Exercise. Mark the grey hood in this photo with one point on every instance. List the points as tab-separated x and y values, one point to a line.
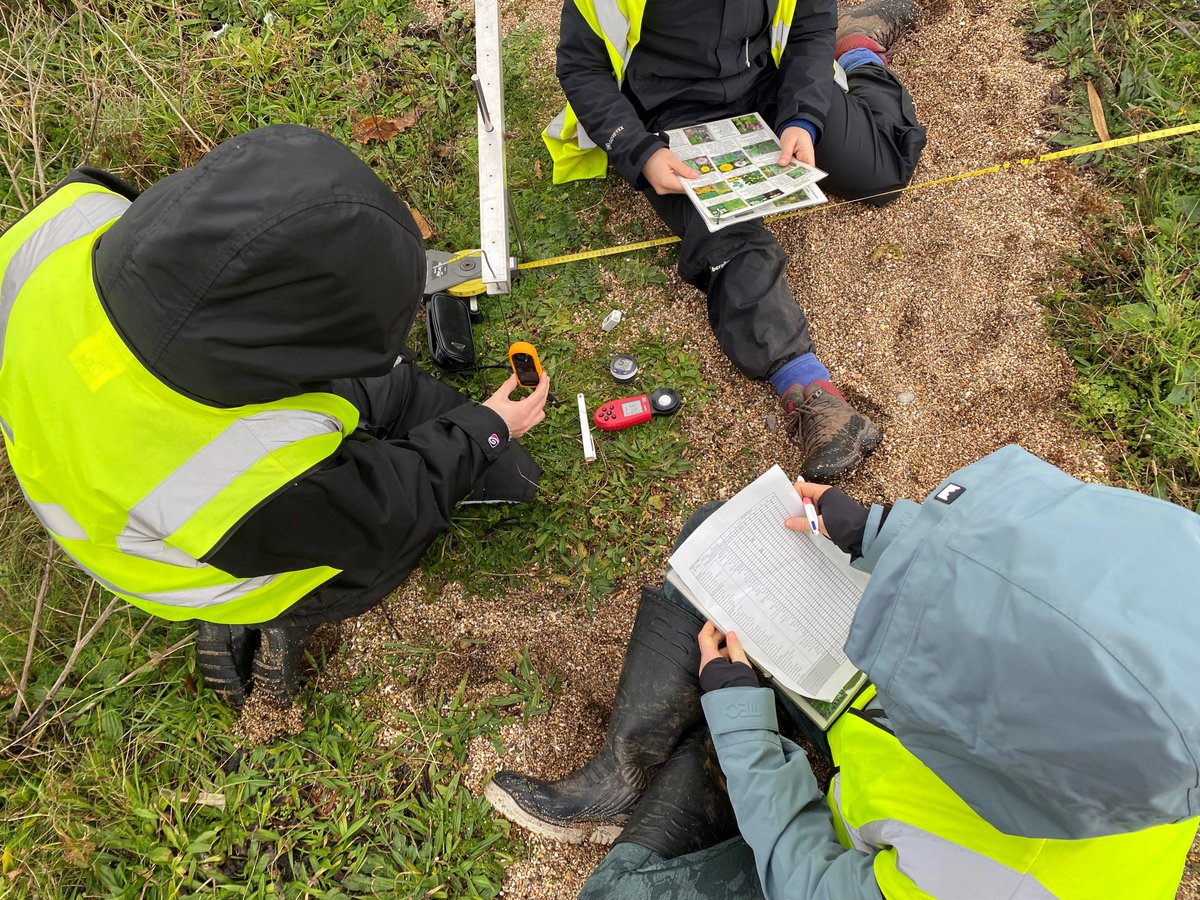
1034	641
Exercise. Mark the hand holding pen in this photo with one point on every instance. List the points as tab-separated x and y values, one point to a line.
809	493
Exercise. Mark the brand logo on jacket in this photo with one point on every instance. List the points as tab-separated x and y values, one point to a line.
494	440
612	137
743	709
950	493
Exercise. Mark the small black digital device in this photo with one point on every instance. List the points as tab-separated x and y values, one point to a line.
448	325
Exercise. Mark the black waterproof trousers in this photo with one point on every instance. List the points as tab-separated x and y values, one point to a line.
870	145
390	406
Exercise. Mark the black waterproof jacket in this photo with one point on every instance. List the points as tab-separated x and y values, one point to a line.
281	264
697	60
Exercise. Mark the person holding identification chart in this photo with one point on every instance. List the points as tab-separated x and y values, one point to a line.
817	72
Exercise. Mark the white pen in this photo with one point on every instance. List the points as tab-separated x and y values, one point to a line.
809	509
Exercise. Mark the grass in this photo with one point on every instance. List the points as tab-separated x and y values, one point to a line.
1131	321
130	780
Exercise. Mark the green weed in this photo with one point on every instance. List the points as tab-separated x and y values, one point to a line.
1130	320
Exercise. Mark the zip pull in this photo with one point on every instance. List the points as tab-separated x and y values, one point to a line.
747	53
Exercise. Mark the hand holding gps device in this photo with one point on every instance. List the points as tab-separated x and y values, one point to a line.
525	364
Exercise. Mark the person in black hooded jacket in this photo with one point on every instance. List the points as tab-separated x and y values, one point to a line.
279	265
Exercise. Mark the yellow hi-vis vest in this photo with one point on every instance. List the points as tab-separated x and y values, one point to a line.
619	24
135	481
928	843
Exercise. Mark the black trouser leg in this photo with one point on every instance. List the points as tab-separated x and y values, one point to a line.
392	404
751	309
405	397
871	141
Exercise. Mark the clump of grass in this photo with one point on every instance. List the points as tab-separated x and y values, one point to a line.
1132	319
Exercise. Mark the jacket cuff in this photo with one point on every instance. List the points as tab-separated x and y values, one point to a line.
725	673
804	113
485	427
845	520
877	537
740	709
810	127
638	158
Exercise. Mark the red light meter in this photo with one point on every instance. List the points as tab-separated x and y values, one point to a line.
629	411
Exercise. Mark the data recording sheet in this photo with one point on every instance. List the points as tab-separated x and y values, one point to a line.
790	596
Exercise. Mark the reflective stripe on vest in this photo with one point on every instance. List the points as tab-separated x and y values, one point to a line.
614	28
82	217
939	867
927	842
185	491
60	523
781	26
138	530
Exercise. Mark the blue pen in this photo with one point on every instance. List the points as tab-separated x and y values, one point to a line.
809	509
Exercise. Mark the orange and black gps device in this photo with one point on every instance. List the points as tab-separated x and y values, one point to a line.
525	363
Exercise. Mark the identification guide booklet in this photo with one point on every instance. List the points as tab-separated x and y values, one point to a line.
790	596
740	176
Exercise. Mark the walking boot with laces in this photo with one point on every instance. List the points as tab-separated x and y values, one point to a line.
658	700
874	24
833	436
686	808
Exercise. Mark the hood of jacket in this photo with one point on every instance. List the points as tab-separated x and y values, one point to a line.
277	264
1033	641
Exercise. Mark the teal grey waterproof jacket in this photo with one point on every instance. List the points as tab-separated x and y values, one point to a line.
1033	640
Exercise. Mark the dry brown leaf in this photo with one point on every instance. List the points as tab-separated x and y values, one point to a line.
422	223
537	168
1098	121
382	128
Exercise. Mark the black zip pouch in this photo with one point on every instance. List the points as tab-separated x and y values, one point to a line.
448	324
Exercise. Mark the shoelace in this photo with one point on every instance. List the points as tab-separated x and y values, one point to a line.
818	413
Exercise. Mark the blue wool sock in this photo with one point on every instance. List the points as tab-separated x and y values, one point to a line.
861	56
802	370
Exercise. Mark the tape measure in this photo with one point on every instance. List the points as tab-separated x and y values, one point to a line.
1148	137
460	274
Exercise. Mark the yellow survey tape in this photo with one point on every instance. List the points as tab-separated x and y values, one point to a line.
1149	136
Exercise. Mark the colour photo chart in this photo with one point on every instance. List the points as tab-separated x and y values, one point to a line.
740	177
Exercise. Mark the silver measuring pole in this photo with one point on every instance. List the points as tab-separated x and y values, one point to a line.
493	179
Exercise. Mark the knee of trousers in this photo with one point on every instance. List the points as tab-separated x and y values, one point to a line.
703	255
696	519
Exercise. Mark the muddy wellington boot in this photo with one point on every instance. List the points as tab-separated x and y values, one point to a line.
277	663
686	808
833	436
658	700
225	657
874	24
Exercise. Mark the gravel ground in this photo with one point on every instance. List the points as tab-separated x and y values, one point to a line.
932	299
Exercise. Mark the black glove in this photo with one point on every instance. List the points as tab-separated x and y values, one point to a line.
845	520
723	673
